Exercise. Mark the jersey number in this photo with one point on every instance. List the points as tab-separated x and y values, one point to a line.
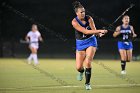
125	37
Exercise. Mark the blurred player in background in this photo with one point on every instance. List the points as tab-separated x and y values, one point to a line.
125	33
33	37
86	43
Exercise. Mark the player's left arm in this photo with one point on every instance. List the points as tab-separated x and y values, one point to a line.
40	38
91	23
92	26
133	32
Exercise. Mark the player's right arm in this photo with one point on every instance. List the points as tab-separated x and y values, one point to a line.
76	25
117	32
27	37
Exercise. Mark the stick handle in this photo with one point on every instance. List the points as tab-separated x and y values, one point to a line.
131	6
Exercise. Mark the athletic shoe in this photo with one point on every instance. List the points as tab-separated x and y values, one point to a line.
88	87
123	72
35	64
80	76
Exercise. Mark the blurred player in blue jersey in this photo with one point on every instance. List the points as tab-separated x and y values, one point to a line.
86	43
125	33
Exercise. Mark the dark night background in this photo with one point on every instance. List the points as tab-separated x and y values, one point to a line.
54	19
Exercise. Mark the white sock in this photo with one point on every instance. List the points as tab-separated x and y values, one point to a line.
35	58
30	57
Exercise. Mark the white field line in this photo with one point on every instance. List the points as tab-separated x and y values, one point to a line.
72	86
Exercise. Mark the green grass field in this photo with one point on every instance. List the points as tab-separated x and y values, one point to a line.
59	76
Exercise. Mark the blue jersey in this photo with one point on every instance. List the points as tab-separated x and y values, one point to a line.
126	34
125	38
84	41
80	35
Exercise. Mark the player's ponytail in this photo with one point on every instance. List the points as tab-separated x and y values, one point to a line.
77	5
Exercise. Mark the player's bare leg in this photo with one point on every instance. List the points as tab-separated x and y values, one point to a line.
80	56
90	52
129	55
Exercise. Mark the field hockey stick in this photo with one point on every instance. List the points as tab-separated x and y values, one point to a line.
131	6
126	10
110	27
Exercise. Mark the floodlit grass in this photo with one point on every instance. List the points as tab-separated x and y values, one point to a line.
59	76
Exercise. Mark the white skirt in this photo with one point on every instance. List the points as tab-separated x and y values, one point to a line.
34	45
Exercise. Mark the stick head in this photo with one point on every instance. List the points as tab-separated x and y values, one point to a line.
132	5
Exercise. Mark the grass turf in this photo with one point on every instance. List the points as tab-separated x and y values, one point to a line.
59	76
